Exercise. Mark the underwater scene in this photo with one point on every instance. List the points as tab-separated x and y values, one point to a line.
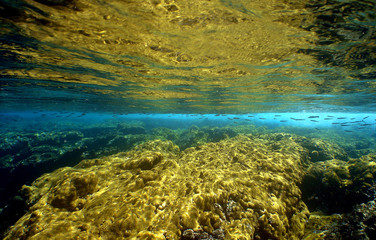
188	120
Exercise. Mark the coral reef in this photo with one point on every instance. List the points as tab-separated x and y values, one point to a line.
360	224
195	136
344	194
25	156
195	183
320	150
238	188
336	186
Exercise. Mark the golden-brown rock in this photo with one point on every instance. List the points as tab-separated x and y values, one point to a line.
238	188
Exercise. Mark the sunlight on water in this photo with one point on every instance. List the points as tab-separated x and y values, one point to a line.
201	56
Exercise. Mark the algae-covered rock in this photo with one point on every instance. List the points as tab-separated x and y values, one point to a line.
320	150
238	188
195	136
335	186
165	133
145	162
358	224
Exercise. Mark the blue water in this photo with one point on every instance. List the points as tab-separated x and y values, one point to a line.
357	122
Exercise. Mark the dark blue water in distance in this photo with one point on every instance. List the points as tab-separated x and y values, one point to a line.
86	79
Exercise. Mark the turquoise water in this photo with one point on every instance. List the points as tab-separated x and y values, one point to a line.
360	123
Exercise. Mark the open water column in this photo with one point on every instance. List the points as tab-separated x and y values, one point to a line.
188	120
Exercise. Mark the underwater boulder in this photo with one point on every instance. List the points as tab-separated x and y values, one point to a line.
165	133
196	136
70	193
238	188
192	137
335	186
218	134
127	129
320	150
358	224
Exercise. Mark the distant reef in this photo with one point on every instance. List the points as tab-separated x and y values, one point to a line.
249	186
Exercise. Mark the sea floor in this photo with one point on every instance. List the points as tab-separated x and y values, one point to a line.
123	180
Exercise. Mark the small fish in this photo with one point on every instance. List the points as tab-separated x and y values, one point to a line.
341	118
277	115
262	118
313	116
335	123
236	118
366	117
314	121
348	131
253	116
298	119
283	120
328	118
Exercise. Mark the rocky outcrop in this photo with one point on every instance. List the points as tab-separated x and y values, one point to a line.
236	188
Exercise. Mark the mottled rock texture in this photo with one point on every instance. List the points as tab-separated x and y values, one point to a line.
238	188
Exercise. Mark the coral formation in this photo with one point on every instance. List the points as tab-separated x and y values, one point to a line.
238	188
320	150
344	194
335	186
360	224
195	183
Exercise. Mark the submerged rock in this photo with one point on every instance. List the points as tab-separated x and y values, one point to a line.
238	188
320	150
358	224
196	136
336	186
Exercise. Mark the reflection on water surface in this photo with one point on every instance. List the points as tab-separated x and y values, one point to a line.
202	56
